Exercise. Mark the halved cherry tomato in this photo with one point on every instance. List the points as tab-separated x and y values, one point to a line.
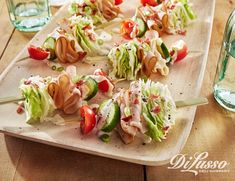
103	86
117	2
100	72
150	2
37	53
89	121
127	27
181	48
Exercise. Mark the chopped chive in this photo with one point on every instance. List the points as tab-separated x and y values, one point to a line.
60	69
100	42
53	67
105	138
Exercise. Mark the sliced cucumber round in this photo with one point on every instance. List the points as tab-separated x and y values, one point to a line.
142	27
163	50
49	44
89	88
166	53
113	116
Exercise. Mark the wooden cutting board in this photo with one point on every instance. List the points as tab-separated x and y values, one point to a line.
184	81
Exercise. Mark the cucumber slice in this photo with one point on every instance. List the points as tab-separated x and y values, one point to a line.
142	27
163	50
113	117
166	53
89	88
49	45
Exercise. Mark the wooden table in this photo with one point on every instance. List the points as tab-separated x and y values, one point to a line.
213	130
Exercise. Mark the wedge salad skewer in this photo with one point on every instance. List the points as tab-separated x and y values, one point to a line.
43	96
148	56
146	109
168	16
100	11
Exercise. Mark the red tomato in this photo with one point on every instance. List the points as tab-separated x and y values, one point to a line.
117	2
157	109
127	27
150	2
103	86
37	53
181	48
89	121
100	72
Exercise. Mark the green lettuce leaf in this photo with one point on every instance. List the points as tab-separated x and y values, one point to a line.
38	103
125	61
157	95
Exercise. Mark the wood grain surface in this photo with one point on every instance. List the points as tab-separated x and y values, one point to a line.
213	130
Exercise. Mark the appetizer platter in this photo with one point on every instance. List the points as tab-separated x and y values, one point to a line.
109	79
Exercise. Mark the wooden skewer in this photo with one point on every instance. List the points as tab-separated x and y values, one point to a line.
109	23
11	99
22	59
191	102
179	104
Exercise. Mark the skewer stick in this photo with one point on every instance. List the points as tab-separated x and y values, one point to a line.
11	99
191	102
179	104
109	23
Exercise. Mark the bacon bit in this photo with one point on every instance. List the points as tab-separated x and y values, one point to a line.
92	1
136	101
92	36
20	109
173	6
94	12
154	96
147	41
79	83
87	27
182	32
95	110
100	72
157	109
82	55
126	119
27	82
166	128
154	17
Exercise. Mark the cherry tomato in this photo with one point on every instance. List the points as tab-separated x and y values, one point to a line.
103	86
100	72
127	27
117	2
150	2
37	53
89	121
181	48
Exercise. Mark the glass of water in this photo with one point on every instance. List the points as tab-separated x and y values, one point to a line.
28	15
224	83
